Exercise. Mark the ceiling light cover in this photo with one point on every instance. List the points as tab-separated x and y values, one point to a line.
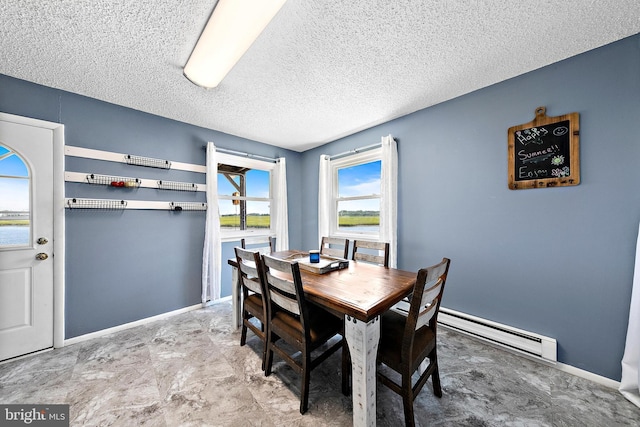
233	27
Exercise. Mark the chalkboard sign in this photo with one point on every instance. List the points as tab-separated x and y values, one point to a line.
545	152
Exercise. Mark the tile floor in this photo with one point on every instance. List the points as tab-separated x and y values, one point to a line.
189	370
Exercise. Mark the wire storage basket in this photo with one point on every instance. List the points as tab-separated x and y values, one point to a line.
177	186
147	161
96	204
114	181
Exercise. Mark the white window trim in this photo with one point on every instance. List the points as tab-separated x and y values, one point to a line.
348	161
230	159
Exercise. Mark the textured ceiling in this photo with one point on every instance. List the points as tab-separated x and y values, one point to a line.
320	71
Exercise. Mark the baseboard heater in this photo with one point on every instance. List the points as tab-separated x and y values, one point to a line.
506	336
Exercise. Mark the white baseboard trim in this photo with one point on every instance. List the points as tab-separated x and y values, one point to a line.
631	397
223	299
598	379
125	326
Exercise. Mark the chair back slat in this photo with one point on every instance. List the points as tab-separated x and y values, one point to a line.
437	271
431	294
282	288
335	247
338	253
429	304
334	241
252	284
374	252
284	302
282	285
425	316
248	269
369	244
361	256
249	274
278	264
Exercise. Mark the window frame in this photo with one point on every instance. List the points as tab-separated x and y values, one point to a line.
229	159
368	156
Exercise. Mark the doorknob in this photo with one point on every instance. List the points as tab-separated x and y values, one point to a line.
42	256
42	241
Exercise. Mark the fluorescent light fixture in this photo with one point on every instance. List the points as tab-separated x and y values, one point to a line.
233	27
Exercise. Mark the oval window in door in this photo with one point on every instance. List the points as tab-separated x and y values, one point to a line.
15	200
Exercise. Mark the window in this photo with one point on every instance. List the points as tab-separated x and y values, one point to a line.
15	221
356	192
244	196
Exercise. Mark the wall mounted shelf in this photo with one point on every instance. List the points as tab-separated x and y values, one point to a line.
84	177
132	182
107	204
90	153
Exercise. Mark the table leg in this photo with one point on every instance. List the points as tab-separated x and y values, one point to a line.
236	319
362	339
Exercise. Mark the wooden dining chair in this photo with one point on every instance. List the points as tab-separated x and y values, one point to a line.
373	252
408	337
335	247
263	244
291	320
254	305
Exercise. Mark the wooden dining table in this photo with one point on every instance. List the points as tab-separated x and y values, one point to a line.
359	294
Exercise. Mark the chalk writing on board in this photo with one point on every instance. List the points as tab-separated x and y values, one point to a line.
560	131
540	150
527	136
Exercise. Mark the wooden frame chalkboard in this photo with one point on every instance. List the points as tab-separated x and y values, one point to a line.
545	152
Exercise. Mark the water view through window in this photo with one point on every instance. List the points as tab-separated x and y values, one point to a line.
359	198
15	223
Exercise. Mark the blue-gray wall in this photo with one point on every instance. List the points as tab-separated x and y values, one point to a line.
555	261
128	265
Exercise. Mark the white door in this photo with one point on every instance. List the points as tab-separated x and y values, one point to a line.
26	239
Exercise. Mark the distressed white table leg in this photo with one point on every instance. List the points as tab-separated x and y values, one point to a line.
362	339
235	299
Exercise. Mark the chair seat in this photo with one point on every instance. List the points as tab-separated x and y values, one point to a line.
392	329
253	304
322	325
